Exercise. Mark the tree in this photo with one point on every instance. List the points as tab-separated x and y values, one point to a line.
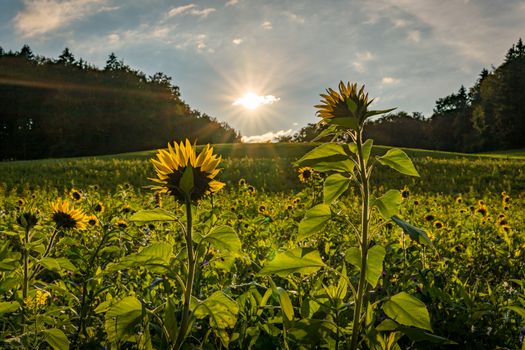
66	58
26	53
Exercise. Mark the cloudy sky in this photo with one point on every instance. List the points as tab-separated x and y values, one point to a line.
282	52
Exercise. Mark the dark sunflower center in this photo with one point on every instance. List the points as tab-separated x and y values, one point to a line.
76	196
201	184
307	174
64	220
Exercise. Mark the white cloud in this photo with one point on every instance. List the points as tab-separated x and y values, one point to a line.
113	39
267	137
42	16
361	59
252	101
292	17
414	36
232	2
237	41
365	56
400	23
192	10
480	31
180	10
202	13
267	25
390	81
359	67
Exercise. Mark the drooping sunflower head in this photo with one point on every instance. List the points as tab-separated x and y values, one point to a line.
67	217
306	174
184	174
348	103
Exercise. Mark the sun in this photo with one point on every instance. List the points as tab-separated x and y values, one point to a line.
249	100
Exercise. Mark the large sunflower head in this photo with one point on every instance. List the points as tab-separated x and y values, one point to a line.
67	217
349	103
346	108
184	174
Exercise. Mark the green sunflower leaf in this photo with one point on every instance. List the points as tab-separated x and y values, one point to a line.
9	306
222	312
56	339
299	260
334	186
388	204
398	160
285	302
314	220
374	262
415	233
223	238
407	310
157	214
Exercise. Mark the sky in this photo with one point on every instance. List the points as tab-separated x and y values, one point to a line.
229	56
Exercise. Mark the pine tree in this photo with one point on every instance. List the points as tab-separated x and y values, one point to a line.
66	58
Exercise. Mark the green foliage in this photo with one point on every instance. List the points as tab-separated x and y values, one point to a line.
407	310
314	220
388	204
398	160
56	339
374	262
334	186
299	260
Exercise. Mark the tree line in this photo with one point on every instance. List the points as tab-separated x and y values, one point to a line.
488	116
68	107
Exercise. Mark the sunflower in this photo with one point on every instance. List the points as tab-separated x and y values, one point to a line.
459	200
92	220
75	194
262	209
405	192
438	224
181	159
122	224
349	103
67	217
429	217
242	182
99	207
482	209
306	174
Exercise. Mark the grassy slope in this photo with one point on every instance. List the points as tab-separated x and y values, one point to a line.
296	150
269	166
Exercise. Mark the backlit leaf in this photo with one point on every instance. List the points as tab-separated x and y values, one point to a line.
334	186
388	204
299	260
407	310
314	220
398	160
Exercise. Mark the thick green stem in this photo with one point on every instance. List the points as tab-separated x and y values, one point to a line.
190	279
365	219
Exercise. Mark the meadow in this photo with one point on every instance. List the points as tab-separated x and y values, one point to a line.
116	283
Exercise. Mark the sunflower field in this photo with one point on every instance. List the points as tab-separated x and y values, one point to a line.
191	251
